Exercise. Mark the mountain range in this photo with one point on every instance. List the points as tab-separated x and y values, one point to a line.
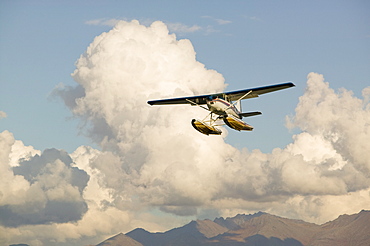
256	229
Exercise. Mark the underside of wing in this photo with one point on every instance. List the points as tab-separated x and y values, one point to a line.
229	96
255	92
193	100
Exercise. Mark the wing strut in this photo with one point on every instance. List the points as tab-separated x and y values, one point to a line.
195	104
246	94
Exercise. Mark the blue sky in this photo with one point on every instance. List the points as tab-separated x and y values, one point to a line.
251	43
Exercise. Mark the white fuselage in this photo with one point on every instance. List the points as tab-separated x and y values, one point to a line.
223	107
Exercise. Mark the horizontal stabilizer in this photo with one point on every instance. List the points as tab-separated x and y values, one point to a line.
249	114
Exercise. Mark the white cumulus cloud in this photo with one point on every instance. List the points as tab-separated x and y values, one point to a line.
153	170
41	189
154	152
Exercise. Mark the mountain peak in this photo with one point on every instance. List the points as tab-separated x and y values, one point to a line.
209	228
120	239
256	229
139	230
233	223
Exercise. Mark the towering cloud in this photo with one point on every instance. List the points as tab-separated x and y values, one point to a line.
340	119
154	155
153	168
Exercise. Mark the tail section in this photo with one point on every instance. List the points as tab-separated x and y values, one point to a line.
249	114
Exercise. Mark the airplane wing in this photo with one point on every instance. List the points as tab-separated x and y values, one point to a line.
193	100
255	92
230	96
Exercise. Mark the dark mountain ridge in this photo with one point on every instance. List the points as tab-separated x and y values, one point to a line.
256	229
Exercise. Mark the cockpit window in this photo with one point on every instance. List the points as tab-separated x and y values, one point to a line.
211	97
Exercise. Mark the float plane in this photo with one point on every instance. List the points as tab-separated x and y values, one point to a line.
224	106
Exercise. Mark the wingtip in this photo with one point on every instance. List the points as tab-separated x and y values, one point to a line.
291	83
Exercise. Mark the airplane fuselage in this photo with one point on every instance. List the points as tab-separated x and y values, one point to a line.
222	107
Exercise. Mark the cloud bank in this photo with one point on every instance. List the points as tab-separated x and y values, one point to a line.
43	189
154	171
